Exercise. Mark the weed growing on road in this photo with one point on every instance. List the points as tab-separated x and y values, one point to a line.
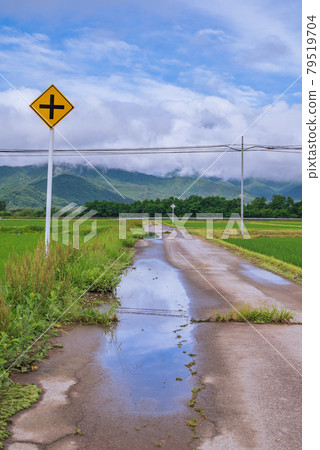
200	411
264	314
190	364
192	403
192	423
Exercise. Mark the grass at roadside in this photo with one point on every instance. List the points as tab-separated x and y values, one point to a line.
37	289
13	399
40	290
20	235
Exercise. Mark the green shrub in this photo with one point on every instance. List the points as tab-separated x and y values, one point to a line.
95	282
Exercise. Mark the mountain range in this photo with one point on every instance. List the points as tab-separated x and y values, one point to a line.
25	186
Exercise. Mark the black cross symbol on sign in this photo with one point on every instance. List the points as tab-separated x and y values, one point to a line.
52	106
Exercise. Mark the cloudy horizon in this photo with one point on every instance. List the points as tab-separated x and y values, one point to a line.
179	73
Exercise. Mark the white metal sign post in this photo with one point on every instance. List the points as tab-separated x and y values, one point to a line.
51	106
49	188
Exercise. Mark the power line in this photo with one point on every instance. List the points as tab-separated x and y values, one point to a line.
224	148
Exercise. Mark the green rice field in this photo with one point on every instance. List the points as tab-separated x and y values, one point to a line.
288	225
286	249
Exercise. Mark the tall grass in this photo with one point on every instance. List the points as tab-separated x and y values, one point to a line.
41	288
18	244
38	273
4	314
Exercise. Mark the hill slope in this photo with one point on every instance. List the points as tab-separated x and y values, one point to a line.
26	186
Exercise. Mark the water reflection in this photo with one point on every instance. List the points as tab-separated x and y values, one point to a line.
262	276
148	352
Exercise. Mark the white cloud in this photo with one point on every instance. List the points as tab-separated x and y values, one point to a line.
156	114
134	109
225	86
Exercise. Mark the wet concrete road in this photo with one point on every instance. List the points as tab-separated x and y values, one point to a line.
121	390
252	373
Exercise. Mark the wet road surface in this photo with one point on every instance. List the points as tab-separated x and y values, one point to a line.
149	349
130	389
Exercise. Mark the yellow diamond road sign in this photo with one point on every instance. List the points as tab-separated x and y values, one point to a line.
51	106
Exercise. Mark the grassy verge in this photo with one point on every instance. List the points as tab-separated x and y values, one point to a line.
290	271
40	293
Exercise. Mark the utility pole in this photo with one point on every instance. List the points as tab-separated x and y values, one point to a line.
242	185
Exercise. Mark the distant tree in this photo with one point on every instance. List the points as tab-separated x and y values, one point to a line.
289	202
278	202
26	212
3	205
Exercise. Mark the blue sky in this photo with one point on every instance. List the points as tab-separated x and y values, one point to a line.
156	73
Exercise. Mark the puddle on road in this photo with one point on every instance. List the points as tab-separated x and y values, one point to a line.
262	276
144	354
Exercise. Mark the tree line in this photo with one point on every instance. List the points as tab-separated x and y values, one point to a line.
279	207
